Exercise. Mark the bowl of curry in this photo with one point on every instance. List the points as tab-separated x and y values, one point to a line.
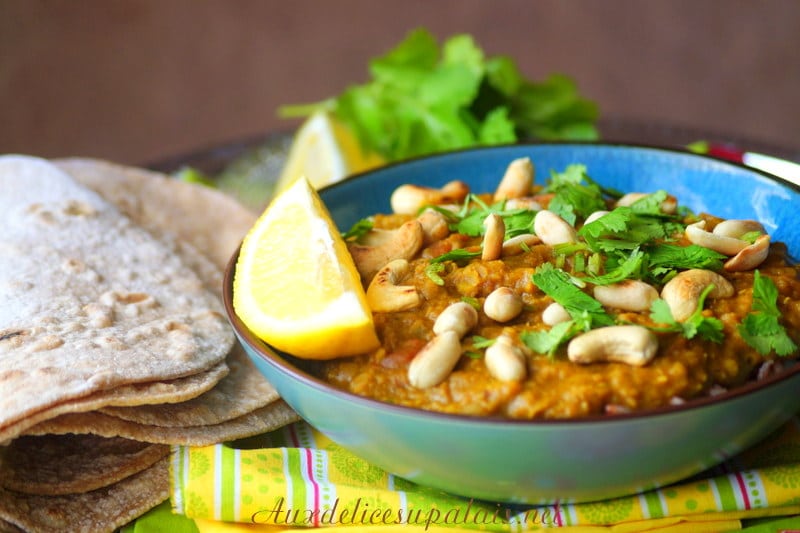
559	321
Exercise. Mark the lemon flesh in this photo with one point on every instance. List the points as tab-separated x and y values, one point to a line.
296	286
324	151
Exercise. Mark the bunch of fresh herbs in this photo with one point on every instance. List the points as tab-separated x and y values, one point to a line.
422	98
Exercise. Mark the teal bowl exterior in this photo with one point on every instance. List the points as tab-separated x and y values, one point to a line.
536	462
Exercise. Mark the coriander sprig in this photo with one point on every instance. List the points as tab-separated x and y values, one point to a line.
761	328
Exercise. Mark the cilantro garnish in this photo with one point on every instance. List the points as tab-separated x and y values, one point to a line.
629	267
575	194
625	228
761	328
358	230
481	342
547	342
422	99
697	324
436	265
517	221
561	287
665	260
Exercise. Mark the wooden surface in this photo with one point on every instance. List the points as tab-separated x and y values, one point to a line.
136	81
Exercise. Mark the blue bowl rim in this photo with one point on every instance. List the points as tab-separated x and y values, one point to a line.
275	358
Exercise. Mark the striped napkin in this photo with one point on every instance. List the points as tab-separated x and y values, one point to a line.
296	477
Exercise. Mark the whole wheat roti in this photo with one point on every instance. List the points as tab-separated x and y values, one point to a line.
207	218
82	309
243	390
209	223
132	394
55	465
272	416
100	510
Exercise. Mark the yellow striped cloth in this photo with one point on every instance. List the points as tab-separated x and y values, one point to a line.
296	477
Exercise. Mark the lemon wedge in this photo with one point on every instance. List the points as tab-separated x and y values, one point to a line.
324	151
296	285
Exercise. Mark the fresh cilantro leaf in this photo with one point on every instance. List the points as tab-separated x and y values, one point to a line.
630	267
665	260
481	342
624	229
761	328
560	287
547	342
459	254
575	194
358	230
517	221
650	204
423	98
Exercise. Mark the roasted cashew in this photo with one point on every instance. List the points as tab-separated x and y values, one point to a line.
434	226
628	295
459	317
697	234
493	237
505	361
555	314
517	180
404	243
435	361
409	199
632	345
553	229
668	206
683	291
737	228
502	304
517	244
750	257
385	295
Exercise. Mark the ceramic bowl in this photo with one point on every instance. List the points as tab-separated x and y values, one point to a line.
567	460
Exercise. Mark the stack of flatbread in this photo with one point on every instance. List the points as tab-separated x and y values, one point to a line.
113	340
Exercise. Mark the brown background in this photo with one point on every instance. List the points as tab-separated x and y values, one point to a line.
136	81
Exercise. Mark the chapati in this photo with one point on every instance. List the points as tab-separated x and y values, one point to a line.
90	300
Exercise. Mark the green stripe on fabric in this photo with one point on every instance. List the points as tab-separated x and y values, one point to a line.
652	499
727	493
294	469
228	492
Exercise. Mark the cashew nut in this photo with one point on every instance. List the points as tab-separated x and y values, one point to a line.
524	202
719	243
493	237
738	228
434	226
555	314
409	199
385	295
505	361
683	291
750	257
435	361
517	180
553	229
632	345
459	317
502	305
518	243
668	206
628	295
404	243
